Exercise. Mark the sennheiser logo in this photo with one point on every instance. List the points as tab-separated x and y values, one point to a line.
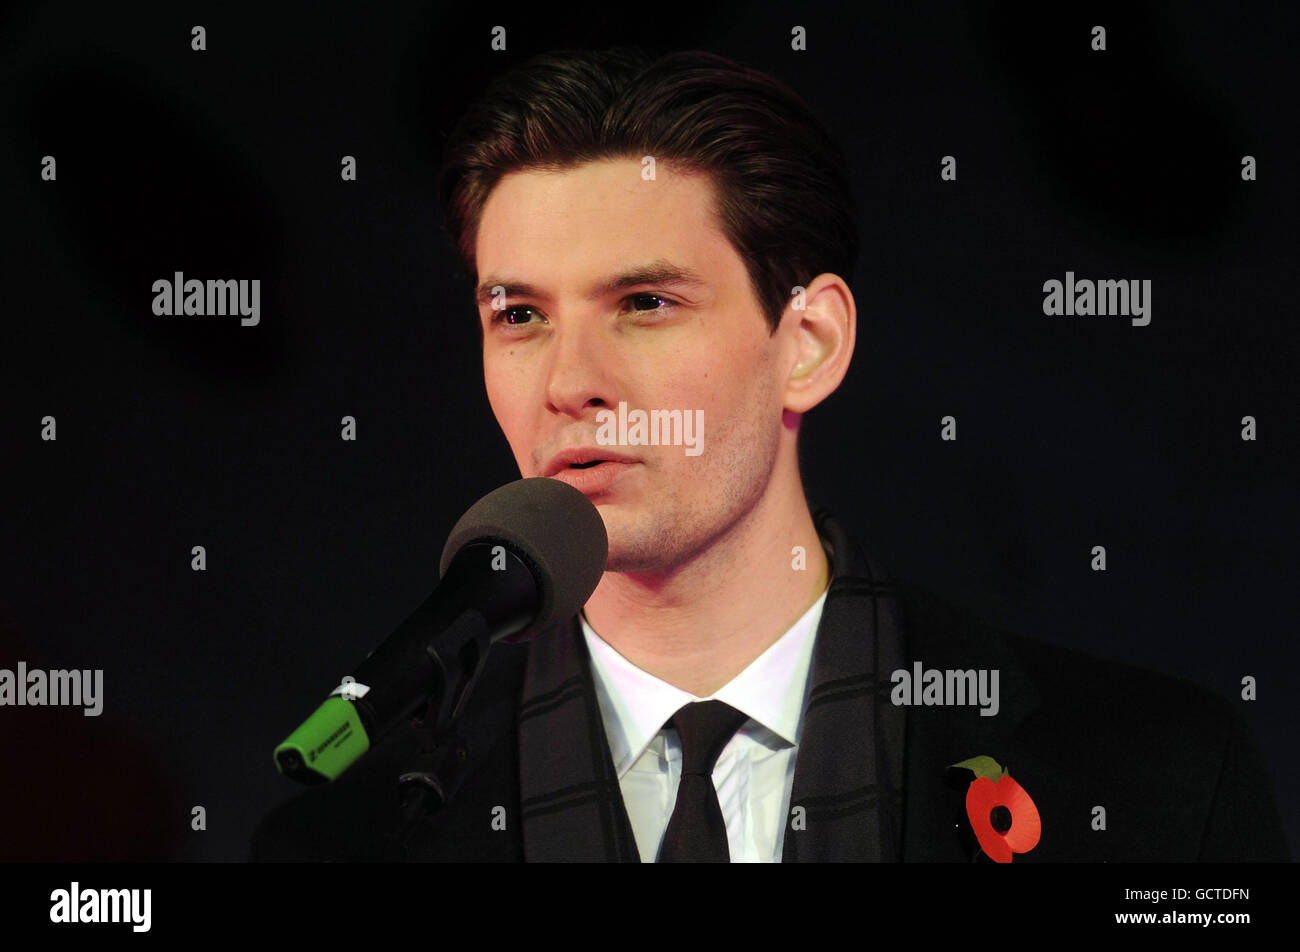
75	905
320	749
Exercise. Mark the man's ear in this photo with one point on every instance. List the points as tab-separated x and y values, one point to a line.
824	331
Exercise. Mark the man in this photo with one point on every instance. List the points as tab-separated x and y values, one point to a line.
672	238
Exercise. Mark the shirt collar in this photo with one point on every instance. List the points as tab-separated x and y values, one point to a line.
635	704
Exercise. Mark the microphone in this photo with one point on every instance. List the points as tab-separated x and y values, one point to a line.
523	557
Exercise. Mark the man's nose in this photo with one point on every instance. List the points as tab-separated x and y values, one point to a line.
580	375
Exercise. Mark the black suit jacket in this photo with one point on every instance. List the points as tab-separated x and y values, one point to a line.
1170	763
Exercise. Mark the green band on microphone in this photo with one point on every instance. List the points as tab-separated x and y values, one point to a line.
324	745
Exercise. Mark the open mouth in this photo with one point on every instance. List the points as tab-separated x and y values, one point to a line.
595	477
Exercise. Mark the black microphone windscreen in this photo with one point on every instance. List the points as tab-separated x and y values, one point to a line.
553	527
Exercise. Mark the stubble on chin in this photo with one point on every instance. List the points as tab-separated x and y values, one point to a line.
644	542
670	533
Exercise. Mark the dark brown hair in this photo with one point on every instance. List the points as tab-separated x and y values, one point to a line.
783	198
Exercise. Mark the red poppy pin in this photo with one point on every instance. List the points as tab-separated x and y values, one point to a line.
1002	815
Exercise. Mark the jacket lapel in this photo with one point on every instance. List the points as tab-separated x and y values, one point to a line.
934	812
846	798
570	797
872	776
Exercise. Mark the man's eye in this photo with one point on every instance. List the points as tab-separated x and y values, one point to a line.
516	316
519	315
634	299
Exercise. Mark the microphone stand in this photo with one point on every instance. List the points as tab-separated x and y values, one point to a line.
437	771
427	786
458	659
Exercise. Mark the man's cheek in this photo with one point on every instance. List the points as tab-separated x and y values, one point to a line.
499	396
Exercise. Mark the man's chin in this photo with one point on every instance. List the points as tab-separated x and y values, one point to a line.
634	545
636	564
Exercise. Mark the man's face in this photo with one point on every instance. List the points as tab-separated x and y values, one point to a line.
586	324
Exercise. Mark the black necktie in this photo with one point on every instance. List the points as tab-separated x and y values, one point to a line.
696	832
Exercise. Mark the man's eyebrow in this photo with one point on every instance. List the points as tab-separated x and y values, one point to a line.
656	272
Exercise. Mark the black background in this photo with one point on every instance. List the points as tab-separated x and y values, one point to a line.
183	431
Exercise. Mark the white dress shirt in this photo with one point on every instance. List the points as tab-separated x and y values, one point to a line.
754	773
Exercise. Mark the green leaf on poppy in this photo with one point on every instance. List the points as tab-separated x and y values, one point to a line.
983	766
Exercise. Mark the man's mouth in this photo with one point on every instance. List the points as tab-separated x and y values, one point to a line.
581	458
594	477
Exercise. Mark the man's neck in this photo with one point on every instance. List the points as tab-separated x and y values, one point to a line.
700	626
